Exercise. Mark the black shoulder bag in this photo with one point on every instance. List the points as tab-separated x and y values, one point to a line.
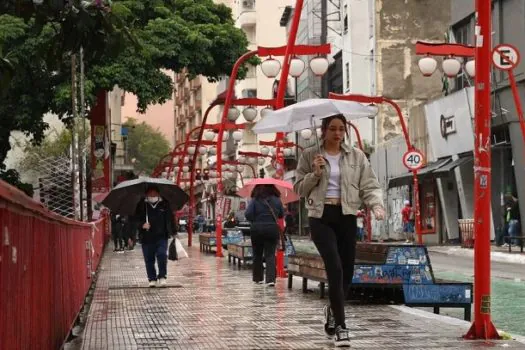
282	239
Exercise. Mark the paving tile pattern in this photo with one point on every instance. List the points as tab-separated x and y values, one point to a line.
210	304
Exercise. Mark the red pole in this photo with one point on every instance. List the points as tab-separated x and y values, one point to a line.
517	101
482	327
220	186
193	161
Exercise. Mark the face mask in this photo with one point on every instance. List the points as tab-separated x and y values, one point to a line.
153	199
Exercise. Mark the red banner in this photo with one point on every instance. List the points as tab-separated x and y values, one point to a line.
100	145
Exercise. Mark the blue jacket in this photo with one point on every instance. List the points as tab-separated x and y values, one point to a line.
258	211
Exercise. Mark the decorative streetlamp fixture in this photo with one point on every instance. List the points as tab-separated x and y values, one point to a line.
265	150
287	152
297	67
265	111
470	67
451	67
233	114
212	151
249	114
237	135
319	65
203	150
209	135
271	67
427	65
306	134
261	161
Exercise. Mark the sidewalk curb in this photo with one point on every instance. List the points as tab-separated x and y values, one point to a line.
501	257
449	320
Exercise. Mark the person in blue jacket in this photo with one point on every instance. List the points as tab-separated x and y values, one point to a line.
263	211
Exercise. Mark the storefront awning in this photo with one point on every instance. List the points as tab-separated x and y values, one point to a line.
444	170
429	170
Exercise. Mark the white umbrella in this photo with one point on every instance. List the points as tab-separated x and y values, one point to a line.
303	115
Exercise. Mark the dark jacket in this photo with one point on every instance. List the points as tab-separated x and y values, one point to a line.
258	211
160	218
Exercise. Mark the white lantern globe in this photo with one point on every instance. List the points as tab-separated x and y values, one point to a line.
224	157
240	168
175	159
306	134
265	151
185	169
209	135
203	150
233	114
271	67
212	151
225	136
265	111
427	66
297	67
451	67
252	160
176	169
164	174
319	133
242	159
319	65
167	168
237	135
287	152
261	161
249	114
470	67
191	150
186	159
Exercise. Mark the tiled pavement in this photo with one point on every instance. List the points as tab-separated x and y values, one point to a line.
211	305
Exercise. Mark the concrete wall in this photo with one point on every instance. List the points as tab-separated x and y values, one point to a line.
399	24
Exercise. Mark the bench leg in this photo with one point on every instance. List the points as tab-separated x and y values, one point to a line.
229	259
467	311
290	281
239	263
510	245
305	285
322	285
436	310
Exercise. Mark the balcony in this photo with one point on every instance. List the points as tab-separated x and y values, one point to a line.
247	19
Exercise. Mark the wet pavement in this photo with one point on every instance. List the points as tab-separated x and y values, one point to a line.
209	304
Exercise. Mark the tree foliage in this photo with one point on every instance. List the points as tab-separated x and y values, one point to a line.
125	43
146	144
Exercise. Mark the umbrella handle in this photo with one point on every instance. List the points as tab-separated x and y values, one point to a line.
314	130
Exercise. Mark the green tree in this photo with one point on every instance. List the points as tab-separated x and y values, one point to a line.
126	43
146	144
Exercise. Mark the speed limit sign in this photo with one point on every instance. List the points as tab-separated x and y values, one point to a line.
413	160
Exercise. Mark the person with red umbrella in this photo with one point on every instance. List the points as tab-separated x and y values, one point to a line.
263	212
335	179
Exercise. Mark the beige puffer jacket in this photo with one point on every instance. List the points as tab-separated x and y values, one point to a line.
358	182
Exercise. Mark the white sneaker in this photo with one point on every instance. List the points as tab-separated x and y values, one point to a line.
342	338
163	282
271	284
152	284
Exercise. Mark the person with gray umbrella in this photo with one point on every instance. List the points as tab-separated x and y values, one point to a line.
154	219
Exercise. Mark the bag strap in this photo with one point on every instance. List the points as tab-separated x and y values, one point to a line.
271	211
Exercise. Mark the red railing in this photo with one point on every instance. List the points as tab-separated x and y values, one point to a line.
46	269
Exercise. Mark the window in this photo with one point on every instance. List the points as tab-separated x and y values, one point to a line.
345	19
463	34
347	76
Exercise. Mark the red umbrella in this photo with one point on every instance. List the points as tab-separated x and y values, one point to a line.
286	189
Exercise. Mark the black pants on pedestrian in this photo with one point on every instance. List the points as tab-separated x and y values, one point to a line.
264	241
334	235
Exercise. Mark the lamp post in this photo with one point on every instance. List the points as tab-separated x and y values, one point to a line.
482	326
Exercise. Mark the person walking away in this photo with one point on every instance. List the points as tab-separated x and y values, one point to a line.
263	211
407	217
116	232
154	219
514	219
335	180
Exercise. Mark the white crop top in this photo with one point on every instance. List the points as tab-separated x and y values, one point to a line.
334	180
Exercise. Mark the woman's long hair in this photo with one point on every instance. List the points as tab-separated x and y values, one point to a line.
265	191
326	122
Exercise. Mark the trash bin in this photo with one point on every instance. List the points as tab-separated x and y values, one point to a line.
466	228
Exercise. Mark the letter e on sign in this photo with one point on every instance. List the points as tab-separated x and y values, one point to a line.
413	160
505	56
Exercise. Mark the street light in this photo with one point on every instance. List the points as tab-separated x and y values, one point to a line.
287	152
297	67
249	114
271	67
261	161
209	135
203	150
319	65
233	114
265	150
427	65
306	134
470	67
212	151
265	111
451	67
237	135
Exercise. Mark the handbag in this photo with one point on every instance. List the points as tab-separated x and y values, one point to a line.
172	251
282	238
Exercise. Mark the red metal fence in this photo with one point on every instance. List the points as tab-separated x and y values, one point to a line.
46	266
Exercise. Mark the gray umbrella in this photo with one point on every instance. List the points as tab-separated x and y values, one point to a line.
124	198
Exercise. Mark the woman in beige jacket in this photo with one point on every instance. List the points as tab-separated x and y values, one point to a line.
334	182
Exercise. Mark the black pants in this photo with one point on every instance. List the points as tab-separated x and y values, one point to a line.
264	242
334	235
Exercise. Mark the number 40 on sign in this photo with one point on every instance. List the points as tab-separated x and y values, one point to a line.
413	160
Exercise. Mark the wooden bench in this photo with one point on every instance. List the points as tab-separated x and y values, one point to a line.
508	239
401	272
240	252
207	242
